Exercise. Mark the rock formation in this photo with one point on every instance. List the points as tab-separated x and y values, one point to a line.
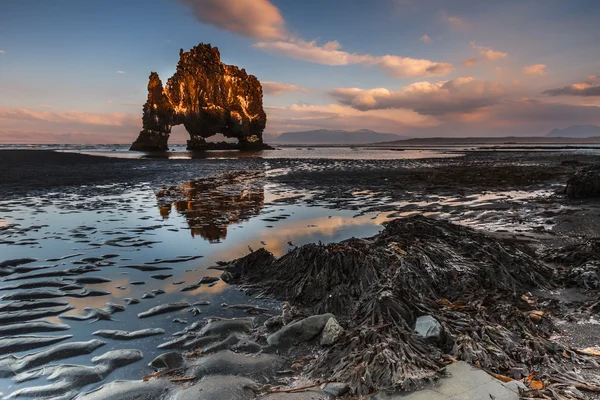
584	183
207	97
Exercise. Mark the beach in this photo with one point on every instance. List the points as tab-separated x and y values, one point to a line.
89	243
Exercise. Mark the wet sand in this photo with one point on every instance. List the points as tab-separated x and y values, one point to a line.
151	218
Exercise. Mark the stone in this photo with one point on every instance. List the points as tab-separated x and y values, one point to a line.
331	332
336	388
298	332
584	183
429	328
206	97
170	360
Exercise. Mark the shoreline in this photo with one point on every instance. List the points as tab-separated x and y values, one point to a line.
508	197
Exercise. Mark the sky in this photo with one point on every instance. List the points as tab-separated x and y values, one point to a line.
75	71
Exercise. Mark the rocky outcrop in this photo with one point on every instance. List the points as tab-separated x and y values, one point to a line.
207	97
585	183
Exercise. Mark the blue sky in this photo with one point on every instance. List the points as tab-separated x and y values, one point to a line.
77	70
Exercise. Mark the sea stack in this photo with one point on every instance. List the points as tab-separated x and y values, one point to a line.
207	97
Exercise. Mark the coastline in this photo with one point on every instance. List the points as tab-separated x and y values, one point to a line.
478	190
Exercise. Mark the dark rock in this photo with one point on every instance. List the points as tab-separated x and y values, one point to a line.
209	279
170	360
298	332
224	327
336	388
585	183
207	97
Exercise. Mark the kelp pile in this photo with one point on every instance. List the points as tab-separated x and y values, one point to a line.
475	285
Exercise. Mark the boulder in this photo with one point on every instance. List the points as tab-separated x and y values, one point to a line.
331	332
298	332
585	183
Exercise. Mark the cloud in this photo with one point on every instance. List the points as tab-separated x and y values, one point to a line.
535	69
330	53
2	52
120	72
335	116
530	111
460	95
426	39
21	125
45	106
72	117
454	21
470	62
277	88
585	89
258	19
492	55
129	103
485	54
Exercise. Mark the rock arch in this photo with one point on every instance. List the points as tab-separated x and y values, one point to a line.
206	97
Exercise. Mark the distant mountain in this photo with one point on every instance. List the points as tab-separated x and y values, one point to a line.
327	136
576	131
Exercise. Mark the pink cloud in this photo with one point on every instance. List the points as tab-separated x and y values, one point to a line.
278	88
330	53
73	126
258	19
460	95
454	21
426	39
535	69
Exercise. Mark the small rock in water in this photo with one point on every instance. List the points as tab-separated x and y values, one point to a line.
331	332
129	301
170	360
429	328
195	311
161	277
208	279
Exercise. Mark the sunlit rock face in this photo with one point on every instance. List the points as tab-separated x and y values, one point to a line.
207	97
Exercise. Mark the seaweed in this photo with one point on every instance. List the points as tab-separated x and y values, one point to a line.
474	284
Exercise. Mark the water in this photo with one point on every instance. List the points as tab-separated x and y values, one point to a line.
218	219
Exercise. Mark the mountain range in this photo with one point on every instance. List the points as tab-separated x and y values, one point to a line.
576	131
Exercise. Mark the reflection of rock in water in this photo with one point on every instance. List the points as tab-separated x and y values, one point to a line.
211	205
